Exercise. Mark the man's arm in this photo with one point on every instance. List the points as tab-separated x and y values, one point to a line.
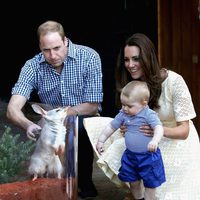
14	111
84	109
14	114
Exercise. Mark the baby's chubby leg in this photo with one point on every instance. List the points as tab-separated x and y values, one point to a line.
150	193
137	190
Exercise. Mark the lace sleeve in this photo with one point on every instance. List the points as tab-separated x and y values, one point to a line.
182	101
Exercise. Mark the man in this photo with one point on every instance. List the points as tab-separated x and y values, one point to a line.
62	74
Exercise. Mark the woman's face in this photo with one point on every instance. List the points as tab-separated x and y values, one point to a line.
132	62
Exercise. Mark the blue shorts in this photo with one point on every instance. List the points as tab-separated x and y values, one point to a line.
146	166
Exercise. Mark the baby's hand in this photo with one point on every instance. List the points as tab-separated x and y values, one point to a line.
152	146
100	147
123	130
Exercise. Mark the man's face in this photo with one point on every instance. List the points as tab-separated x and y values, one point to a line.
53	48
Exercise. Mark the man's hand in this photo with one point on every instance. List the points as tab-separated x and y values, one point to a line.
72	111
32	131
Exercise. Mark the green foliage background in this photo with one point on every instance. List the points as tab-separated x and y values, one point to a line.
13	156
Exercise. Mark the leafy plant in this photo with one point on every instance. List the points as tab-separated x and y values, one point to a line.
13	155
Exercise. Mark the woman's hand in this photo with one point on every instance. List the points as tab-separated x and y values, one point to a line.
146	130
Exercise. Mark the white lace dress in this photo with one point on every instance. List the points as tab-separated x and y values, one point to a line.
181	157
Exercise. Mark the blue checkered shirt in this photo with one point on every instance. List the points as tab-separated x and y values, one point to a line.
79	82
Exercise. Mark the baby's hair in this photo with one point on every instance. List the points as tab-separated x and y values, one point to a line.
136	91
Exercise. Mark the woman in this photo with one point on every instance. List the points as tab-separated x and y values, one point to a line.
171	99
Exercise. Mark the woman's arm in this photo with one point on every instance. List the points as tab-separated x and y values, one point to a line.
181	131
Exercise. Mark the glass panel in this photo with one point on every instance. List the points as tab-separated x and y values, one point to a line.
71	152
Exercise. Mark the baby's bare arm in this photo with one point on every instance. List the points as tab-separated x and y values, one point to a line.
157	136
105	134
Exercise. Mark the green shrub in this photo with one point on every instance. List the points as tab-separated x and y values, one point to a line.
13	156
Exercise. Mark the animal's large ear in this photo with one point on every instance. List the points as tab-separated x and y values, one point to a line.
38	109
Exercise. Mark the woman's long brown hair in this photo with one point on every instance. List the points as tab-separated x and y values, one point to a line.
149	63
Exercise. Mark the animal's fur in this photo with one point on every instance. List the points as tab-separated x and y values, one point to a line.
44	160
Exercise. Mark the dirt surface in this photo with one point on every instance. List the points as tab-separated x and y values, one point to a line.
106	189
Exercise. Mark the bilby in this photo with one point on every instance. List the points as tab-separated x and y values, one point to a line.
52	136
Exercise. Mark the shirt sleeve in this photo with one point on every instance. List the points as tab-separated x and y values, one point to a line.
117	121
25	83
93	89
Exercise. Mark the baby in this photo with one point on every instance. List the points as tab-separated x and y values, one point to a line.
141	163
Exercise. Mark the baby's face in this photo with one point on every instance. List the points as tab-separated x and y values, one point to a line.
131	107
